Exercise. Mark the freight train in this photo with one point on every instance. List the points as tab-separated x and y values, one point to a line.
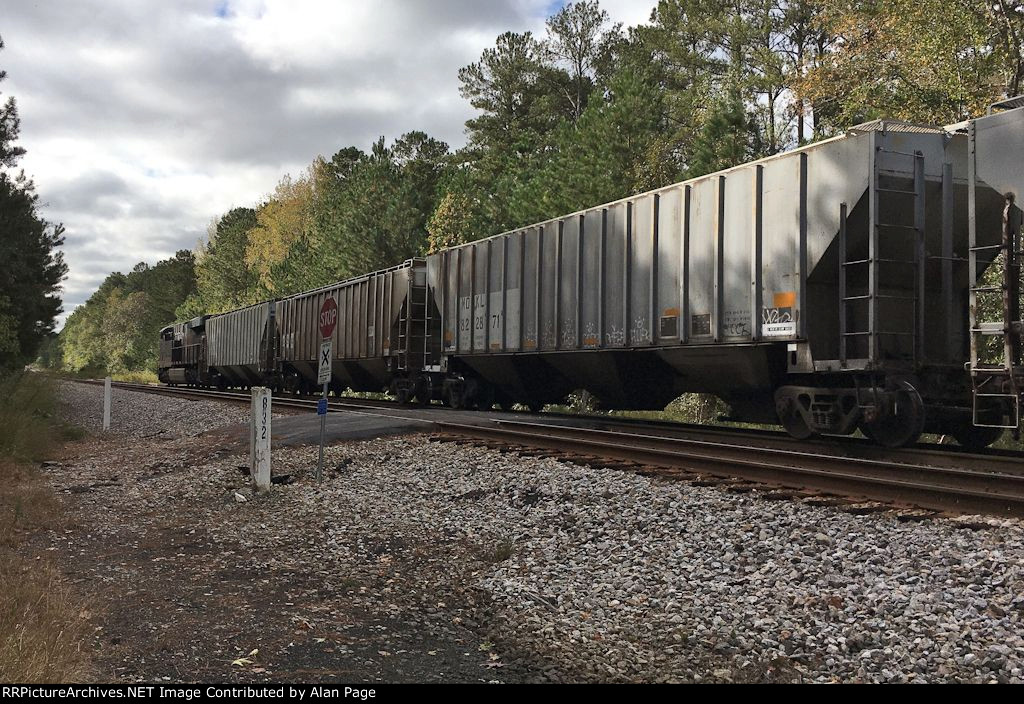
843	286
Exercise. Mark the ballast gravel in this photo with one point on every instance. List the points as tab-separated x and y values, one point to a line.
140	415
583	574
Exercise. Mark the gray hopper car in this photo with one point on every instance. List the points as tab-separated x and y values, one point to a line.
381	336
827	287
242	345
832	288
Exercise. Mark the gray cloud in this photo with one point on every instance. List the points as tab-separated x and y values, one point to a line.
145	120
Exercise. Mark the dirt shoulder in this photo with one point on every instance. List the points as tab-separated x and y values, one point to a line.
189	573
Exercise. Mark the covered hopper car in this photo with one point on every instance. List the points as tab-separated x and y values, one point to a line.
870	281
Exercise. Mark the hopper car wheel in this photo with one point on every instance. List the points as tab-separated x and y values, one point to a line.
504	402
795	425
423	396
904	426
401	392
484	397
790	417
455	396
971	437
470	393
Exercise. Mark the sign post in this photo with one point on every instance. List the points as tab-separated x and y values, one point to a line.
260	470
328	320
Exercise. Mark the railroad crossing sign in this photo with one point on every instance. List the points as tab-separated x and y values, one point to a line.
324	375
328	317
328	320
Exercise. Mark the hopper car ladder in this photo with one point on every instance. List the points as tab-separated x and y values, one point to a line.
414	322
874	305
997	385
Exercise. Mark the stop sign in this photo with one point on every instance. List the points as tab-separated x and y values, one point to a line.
328	317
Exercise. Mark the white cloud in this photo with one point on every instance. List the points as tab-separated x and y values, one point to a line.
145	120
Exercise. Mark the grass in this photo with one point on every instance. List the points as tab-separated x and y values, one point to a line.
497	552
41	624
27	416
139	377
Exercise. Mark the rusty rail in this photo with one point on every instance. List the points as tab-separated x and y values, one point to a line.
956	482
952	489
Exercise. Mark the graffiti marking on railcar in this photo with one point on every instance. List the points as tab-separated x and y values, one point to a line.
640	332
777	322
548	339
590	338
569	333
736	323
616	338
530	338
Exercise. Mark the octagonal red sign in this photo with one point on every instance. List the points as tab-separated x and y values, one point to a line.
328	317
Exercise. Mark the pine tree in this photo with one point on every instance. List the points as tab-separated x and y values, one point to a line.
31	265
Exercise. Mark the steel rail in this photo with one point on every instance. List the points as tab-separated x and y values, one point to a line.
959	490
964	483
932	455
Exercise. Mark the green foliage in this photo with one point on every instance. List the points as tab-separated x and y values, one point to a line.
723	141
580	43
223	279
371	210
27	415
50	355
456	220
599	159
31	266
117	329
282	230
9	127
928	61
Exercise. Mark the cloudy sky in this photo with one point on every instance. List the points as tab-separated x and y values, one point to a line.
145	119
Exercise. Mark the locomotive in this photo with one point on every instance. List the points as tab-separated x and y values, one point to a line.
846	285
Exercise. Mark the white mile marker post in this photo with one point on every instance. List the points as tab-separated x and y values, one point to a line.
261	411
328	319
106	404
252	434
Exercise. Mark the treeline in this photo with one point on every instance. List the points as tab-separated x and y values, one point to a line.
31	265
591	112
117	329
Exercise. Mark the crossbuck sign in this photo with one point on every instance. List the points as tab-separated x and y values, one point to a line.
327	321
324	375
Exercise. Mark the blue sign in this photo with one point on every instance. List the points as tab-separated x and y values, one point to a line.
321	407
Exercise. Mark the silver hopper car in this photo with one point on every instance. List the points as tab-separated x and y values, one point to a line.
829	288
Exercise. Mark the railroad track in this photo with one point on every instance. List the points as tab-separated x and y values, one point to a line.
964	489
928	478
